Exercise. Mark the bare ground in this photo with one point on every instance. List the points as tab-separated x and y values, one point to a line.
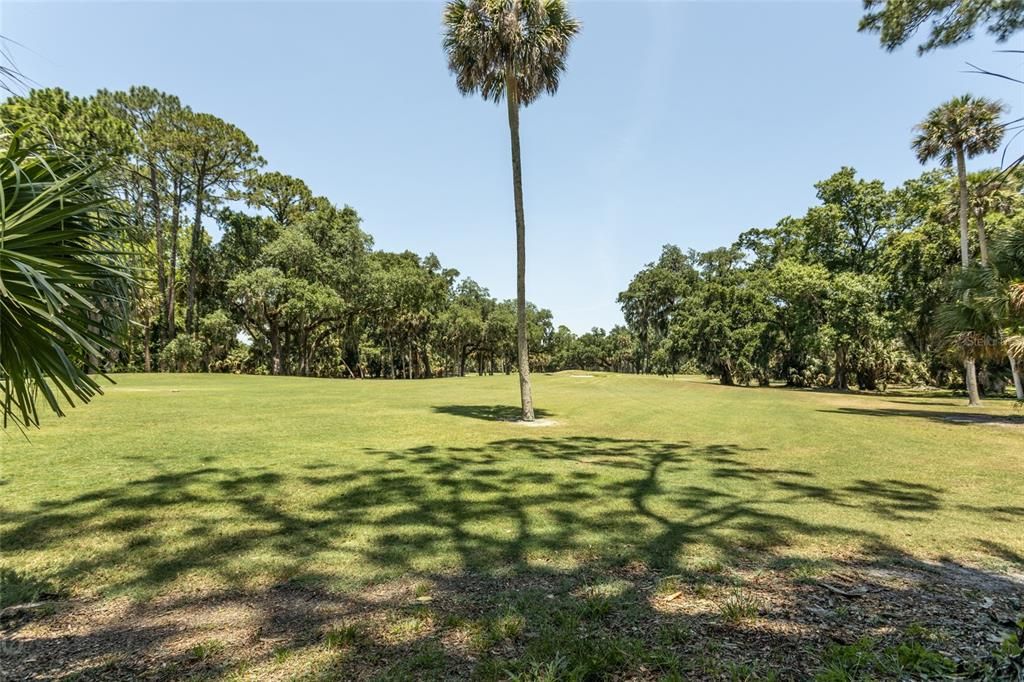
455	626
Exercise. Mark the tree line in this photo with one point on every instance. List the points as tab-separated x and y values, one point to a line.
293	285
854	292
865	289
857	291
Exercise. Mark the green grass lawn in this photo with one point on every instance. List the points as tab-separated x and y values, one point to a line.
193	484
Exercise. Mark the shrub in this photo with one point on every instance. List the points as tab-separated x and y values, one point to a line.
182	354
218	333
238	360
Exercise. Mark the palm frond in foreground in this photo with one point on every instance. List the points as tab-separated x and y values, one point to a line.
64	283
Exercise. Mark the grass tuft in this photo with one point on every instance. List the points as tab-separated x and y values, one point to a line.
206	650
344	636
739	607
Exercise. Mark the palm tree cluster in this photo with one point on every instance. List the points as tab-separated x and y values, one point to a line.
962	128
987	317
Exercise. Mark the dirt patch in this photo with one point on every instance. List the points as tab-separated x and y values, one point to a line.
457	626
536	423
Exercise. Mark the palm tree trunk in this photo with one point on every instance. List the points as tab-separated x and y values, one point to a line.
971	377
1018	385
982	238
970	372
512	100
961	174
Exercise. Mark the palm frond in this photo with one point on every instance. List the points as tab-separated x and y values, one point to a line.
64	281
1015	346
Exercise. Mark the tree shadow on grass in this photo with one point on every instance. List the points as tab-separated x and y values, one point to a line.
955	401
939	416
508	503
1000	550
996	512
499	505
566	534
896	499
503	413
594	621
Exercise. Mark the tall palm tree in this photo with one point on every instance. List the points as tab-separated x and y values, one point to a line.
960	128
993	191
996	191
513	50
988	315
1008	262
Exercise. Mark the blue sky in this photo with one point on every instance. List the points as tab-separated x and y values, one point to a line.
682	122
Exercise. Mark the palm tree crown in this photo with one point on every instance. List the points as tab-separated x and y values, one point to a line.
966	123
485	40
996	191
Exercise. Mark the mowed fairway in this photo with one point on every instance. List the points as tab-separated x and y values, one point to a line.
171	487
